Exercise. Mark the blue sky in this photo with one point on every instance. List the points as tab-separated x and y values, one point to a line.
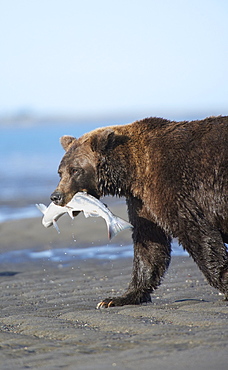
98	58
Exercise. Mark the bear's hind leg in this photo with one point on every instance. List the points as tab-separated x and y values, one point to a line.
152	250
206	246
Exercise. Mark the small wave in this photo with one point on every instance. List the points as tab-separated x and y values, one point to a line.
65	255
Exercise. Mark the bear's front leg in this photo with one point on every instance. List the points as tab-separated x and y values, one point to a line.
152	250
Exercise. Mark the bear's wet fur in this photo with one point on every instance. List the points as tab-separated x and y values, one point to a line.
174	176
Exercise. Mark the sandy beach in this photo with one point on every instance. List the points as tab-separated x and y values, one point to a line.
49	318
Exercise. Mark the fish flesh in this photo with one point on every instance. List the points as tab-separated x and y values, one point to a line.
90	206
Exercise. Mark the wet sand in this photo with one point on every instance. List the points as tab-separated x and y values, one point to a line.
49	318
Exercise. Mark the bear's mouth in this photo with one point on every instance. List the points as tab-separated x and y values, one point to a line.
94	193
61	199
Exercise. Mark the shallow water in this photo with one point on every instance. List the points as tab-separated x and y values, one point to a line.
8	213
66	255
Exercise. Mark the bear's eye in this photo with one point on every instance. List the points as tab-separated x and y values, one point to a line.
75	171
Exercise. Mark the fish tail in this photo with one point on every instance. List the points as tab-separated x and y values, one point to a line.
116	225
41	207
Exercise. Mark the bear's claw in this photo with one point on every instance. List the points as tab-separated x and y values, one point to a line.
106	303
131	298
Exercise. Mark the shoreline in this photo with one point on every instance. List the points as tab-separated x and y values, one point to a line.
49	318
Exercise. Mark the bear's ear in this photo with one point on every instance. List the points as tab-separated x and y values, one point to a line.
102	141
107	140
66	141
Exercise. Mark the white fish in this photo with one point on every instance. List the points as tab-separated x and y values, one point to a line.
90	206
52	213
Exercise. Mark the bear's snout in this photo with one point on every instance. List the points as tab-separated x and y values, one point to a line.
57	197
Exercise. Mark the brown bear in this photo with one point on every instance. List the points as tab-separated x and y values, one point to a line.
174	176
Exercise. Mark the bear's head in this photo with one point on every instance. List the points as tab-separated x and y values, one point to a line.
78	169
